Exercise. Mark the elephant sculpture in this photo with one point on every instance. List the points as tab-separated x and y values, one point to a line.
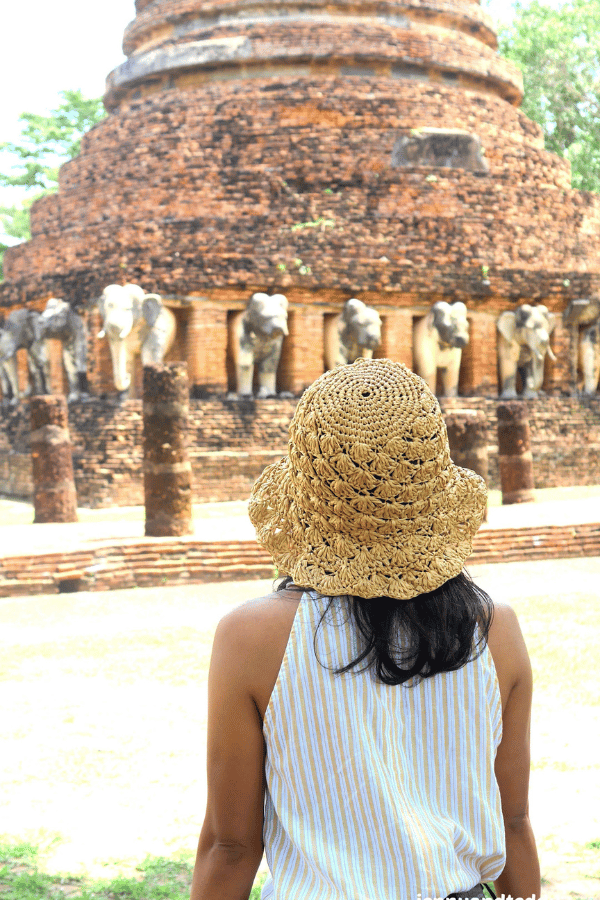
523	343
135	324
585	343
438	341
59	320
355	333
256	341
21	331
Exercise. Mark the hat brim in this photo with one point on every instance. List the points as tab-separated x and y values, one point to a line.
389	555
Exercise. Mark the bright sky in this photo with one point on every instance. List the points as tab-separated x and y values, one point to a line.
48	47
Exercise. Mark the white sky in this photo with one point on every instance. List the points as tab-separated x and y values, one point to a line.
48	46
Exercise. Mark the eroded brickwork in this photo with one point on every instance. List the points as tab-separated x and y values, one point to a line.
232	441
199	205
251	150
255	148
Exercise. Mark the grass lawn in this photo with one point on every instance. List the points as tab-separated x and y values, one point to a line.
21	878
104	708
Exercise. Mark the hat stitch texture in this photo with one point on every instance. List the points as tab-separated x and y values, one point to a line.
367	500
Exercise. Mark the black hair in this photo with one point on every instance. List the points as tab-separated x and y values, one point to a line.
439	631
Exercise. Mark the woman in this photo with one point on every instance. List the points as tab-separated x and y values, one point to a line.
369	723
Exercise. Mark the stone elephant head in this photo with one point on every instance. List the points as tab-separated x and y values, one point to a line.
256	342
59	320
134	322
438	342
360	330
54	318
267	315
21	330
523	343
451	323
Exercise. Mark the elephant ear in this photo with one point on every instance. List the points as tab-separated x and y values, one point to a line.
548	316
507	325
439	311
351	309
281	299
151	308
257	302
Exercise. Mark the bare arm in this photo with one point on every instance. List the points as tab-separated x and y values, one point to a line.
521	875
230	847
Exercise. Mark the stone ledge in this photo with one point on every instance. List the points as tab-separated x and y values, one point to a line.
175	18
168	561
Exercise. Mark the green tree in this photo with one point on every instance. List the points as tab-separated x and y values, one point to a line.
48	141
14	222
32	163
558	51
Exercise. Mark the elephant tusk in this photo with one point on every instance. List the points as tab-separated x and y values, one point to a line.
551	354
101	334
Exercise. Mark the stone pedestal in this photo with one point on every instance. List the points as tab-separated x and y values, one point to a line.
167	469
515	461
467	436
54	495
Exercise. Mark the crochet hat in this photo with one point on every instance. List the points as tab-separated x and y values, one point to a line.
367	500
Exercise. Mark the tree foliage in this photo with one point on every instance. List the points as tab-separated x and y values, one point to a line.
14	223
558	51
48	141
32	163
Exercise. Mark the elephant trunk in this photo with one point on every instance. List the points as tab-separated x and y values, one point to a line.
370	340
274	329
542	347
118	352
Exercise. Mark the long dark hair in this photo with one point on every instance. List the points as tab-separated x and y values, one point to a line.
439	631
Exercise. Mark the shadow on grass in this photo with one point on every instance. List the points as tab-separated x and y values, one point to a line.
159	879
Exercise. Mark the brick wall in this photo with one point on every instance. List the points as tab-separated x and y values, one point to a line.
231	442
212	196
268	164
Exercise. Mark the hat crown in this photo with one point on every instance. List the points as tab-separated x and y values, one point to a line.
373	417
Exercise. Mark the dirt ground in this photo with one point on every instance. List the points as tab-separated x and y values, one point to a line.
103	701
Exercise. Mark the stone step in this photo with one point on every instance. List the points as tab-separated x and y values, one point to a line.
157	562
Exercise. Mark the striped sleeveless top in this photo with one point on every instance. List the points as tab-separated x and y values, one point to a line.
374	791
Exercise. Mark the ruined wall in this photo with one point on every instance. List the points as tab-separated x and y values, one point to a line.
257	148
231	183
232	441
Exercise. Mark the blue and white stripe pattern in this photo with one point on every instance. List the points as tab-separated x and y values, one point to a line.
377	792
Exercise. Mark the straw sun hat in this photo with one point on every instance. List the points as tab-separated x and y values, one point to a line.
367	500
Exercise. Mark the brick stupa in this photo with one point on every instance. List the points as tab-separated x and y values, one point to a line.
303	147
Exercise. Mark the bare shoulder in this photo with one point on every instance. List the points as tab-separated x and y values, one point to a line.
250	642
261	612
259	623
505	619
508	649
